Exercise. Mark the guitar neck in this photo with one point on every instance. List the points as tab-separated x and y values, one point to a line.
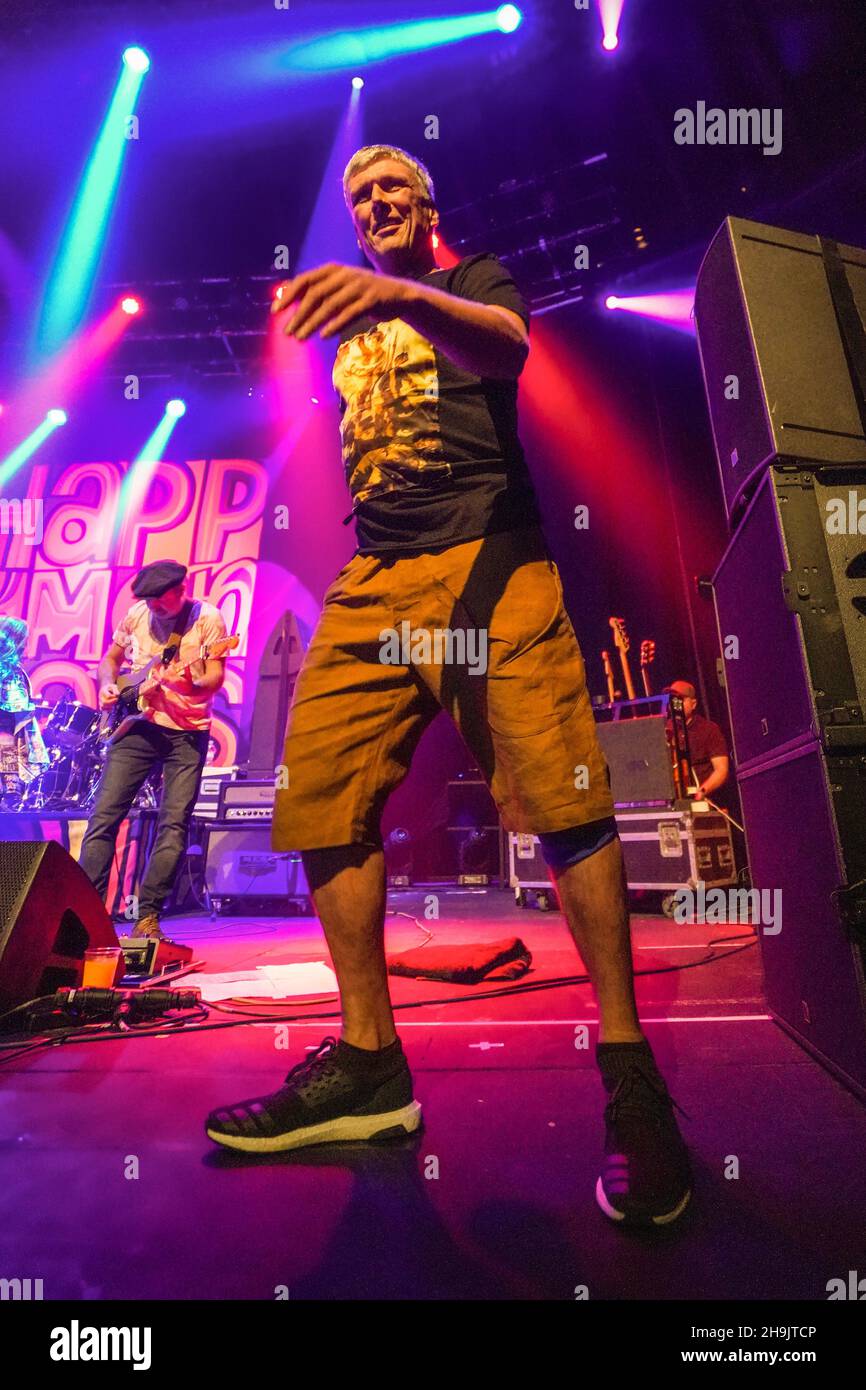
626	673
608	675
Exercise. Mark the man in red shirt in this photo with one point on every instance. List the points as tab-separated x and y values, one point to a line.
449	547
708	752
171	732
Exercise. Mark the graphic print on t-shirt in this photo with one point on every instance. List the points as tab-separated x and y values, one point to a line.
390	429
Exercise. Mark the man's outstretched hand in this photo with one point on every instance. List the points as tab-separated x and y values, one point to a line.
332	295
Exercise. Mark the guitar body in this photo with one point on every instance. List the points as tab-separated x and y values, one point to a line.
119	718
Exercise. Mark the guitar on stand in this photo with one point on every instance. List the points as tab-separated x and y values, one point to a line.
136	685
621	642
612	691
647	657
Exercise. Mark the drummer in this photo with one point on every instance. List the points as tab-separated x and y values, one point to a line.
22	749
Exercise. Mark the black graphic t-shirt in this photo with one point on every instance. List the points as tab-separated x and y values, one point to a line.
431	452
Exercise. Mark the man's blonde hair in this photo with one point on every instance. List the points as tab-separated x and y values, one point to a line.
369	154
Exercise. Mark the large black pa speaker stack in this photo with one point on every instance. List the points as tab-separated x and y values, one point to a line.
779	318
50	914
780	323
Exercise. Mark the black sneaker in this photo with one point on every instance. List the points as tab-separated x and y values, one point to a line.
336	1094
646	1179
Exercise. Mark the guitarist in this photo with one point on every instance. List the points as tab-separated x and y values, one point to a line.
170	732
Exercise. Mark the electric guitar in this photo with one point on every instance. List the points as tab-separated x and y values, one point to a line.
647	657
608	675
621	642
117	719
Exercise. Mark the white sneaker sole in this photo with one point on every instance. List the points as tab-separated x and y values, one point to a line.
342	1128
615	1215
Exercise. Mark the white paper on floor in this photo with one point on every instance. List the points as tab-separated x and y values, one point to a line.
265	982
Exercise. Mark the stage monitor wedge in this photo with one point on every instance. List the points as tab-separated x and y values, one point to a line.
779	318
50	914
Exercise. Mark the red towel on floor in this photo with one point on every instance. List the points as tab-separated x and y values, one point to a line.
464	965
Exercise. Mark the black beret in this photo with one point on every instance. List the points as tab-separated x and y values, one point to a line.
154	580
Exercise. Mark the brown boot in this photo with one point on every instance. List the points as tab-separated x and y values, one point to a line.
148	926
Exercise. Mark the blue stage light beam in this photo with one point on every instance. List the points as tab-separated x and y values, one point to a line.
359	48
330	235
71	277
51	421
134	487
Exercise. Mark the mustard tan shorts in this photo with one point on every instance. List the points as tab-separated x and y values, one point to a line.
479	630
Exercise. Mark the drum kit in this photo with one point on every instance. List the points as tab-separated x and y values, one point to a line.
68	781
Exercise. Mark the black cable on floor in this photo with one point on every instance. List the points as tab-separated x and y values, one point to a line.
78	1034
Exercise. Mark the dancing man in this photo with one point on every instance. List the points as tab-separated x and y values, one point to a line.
448	540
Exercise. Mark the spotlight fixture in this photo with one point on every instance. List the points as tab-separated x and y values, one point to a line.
56	417
357	83
136	59
611	302
610	42
508	17
175	408
130	305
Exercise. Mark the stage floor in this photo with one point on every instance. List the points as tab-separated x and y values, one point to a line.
513	1119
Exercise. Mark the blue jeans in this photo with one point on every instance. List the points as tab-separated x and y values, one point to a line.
181	754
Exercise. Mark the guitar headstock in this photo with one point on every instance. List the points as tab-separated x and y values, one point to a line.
647	652
620	636
218	649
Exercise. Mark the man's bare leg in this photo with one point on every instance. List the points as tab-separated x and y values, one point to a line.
593	897
348	888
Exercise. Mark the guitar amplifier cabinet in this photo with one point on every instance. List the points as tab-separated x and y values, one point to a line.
663	849
241	868
209	788
247	800
637	753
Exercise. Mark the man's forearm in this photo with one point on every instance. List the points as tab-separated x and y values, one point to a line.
211	678
209	682
714	781
106	672
480	338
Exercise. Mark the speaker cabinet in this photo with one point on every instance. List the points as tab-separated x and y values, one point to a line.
240	864
805	819
637	753
776	314
50	914
790	597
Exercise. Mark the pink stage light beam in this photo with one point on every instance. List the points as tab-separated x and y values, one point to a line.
610	12
674	308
